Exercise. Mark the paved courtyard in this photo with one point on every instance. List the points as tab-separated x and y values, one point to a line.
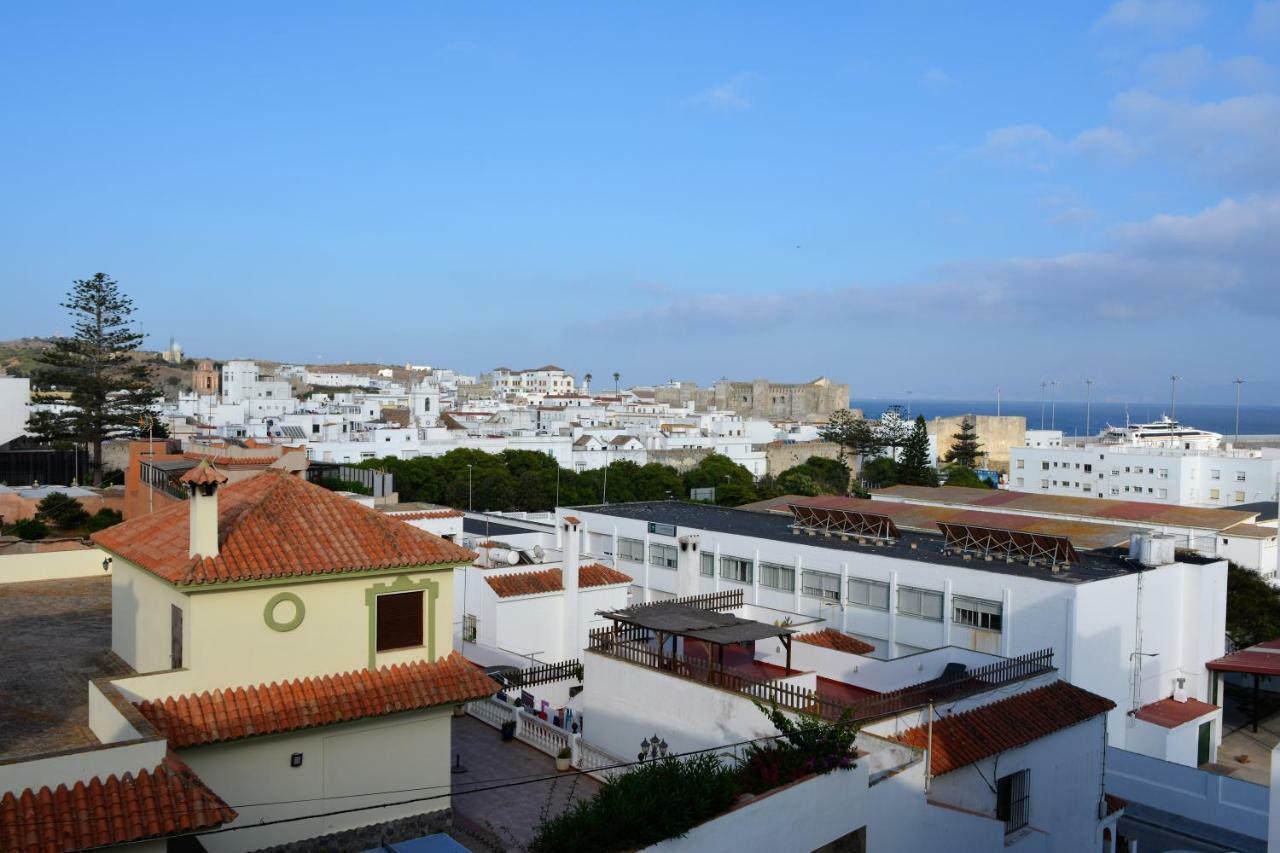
1244	753
57	636
506	817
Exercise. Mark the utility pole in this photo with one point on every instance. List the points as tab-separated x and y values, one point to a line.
1088	407
997	401
470	503
1043	386
1173	396
1238	382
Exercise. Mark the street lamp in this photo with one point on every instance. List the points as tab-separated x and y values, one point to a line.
652	748
1238	382
1043	386
1053	404
1088	404
1173	396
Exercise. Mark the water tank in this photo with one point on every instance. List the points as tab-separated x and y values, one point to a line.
499	556
1152	549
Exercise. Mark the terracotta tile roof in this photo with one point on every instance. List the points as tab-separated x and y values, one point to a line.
277	525
233	461
429	513
968	738
304	703
572	519
164	801
830	638
1171	713
203	474
552	580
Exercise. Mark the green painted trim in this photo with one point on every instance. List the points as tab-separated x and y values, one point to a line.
296	579
269	616
403	583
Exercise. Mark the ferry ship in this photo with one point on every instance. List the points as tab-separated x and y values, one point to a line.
1165	432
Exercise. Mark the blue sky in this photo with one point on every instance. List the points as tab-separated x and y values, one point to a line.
943	197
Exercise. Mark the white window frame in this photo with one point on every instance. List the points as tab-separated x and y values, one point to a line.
823	585
980	613
631	550
871	594
738	569
920	603
778	576
707	565
663	556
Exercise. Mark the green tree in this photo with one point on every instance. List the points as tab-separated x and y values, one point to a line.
965	447
852	433
29	529
915	468
102	519
110	391
733	483
892	431
62	511
880	473
956	474
1253	607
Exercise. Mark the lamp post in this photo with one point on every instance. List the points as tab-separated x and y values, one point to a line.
1238	382
1173	396
1043	386
1053	404
997	401
1088	406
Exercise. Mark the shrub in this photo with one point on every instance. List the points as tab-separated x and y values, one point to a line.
29	529
102	519
63	512
335	484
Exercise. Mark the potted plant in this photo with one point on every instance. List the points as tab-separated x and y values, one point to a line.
562	759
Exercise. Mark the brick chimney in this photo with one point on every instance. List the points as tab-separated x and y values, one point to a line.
202	484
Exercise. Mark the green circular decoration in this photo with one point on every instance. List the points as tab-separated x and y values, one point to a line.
269	612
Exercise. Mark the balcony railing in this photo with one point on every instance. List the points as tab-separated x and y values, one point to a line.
633	646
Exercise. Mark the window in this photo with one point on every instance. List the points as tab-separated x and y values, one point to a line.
735	569
468	628
399	621
1162	493
1115	472
631	549
1215	474
1044	484
976	612
1044	466
663	556
1021	481
922	603
1087	487
1164	473
1213	494
820	585
708	567
1013	800
1021	463
1239	497
1088	467
866	593
175	637
1240	477
1115	490
778	576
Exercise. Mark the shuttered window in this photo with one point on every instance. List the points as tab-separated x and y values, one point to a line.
399	620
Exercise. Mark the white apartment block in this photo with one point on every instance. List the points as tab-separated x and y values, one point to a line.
15	397
1204	478
544	380
1118	628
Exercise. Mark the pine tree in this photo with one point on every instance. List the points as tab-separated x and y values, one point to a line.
914	468
109	391
965	447
892	430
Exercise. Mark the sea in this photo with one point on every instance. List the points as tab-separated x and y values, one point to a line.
1070	416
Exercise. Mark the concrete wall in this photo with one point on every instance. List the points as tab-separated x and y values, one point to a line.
779	457
75	561
15	395
404	755
227	641
681	458
997	434
1197	795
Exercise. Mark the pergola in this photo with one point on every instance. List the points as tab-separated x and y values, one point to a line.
1259	661
668	620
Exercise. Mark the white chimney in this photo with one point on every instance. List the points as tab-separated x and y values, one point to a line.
202	483
569	530
1179	692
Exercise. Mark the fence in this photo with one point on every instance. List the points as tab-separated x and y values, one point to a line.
547	738
728	599
795	698
379	483
546	673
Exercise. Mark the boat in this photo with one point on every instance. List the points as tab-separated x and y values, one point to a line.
1165	432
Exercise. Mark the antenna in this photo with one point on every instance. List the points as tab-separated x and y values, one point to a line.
1173	396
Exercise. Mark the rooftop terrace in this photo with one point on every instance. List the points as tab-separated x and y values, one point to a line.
57	637
1099	564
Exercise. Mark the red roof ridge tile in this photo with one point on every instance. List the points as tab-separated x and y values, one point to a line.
280	706
168	799
543	581
979	733
203	474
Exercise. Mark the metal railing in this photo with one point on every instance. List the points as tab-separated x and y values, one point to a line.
970	682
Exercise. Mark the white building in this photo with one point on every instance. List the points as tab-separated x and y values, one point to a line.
15	399
1124	630
537	381
1183	477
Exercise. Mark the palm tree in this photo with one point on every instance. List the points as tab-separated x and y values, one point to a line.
616	377
586	380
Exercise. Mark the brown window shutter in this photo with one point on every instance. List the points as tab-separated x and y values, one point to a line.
399	621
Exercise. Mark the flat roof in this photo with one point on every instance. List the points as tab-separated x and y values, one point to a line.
1084	535
57	638
1141	512
1266	510
1169	713
1262	659
1093	565
689	620
481	527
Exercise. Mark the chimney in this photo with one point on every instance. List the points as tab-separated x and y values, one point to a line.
572	643
202	484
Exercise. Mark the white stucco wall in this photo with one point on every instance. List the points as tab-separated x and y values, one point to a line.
140	616
404	755
53	565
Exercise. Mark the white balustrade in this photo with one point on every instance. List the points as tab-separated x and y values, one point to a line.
540	734
492	711
593	760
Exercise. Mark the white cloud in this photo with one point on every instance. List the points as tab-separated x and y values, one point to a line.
1033	146
729	95
1178	69
935	79
1219	259
1250	72
1160	18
